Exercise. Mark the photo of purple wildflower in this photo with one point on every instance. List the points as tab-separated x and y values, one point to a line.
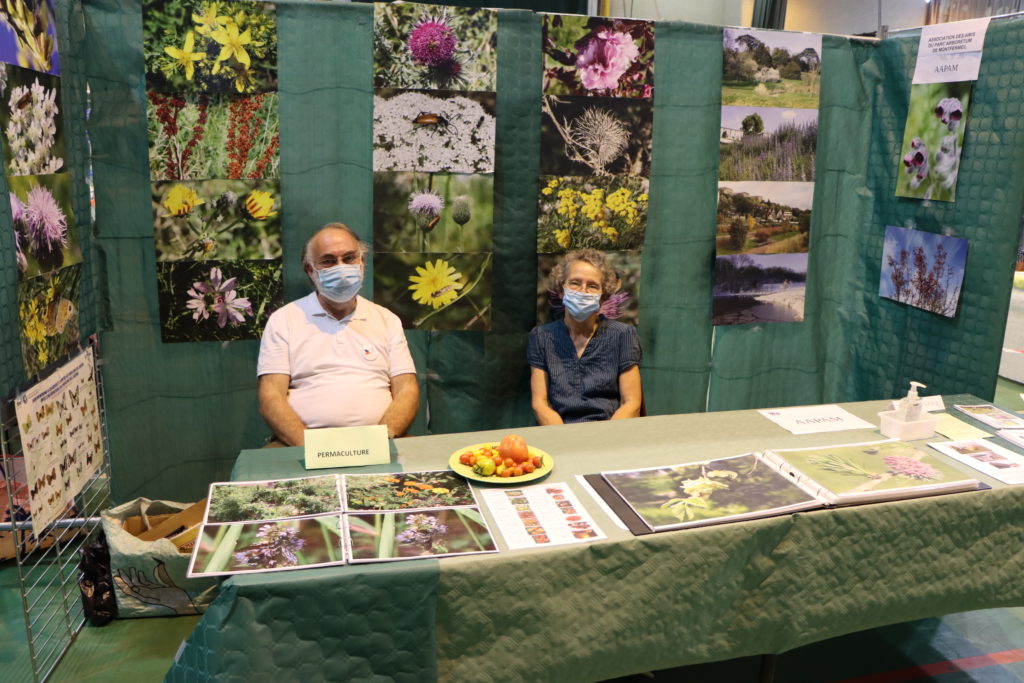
427	533
31	122
28	35
623	305
598	56
426	46
45	232
268	546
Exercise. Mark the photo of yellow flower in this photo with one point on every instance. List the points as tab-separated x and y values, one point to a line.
600	212
48	316
435	291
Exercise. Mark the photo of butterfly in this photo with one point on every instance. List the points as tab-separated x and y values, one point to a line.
27	426
58	314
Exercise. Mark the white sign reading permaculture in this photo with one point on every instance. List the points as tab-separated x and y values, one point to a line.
950	52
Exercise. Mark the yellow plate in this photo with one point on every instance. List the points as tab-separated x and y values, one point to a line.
546	465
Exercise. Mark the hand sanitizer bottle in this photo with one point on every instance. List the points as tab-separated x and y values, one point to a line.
913	402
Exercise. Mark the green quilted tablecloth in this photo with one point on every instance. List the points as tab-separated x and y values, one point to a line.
594	611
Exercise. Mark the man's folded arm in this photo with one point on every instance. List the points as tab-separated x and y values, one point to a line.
278	413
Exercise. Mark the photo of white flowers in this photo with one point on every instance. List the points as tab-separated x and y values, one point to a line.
600	212
933	140
434	47
433	131
45	230
432	291
28	35
48	316
31	122
623	305
596	136
216	300
598	56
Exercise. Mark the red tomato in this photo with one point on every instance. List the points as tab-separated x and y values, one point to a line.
514	447
507	472
517	471
509	462
536	460
473	459
528	467
464	458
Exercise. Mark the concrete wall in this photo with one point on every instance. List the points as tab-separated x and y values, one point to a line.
715	12
851	17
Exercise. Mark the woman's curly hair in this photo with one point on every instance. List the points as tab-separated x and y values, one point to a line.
610	281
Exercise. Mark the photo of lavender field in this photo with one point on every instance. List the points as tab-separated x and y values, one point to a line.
767	143
923	269
759	289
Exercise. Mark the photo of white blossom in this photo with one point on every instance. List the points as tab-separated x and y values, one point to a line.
417	130
583	136
45	230
31	121
28	35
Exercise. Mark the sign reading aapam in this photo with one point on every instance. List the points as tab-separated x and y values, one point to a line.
346	446
950	52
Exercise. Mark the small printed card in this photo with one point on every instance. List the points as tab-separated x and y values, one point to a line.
929	404
986	457
992	416
1014	436
815	419
954	428
540	516
346	446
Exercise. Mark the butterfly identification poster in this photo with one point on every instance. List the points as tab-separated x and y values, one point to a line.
59	423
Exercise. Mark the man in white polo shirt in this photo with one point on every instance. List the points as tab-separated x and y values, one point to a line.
332	358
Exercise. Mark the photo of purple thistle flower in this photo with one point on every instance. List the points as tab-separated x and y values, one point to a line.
906	466
275	546
216	295
17	220
45	227
427	204
432	42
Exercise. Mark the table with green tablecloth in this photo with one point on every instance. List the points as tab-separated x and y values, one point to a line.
593	611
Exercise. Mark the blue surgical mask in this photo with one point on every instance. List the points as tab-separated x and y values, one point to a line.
341	282
581	305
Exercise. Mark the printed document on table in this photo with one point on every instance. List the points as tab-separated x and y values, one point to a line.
540	516
954	428
815	419
986	457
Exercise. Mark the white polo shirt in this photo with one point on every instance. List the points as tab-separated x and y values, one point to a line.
340	370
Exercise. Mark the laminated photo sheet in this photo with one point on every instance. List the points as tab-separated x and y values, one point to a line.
540	516
815	419
986	457
992	416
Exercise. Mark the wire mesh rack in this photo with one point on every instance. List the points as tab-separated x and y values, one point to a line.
47	563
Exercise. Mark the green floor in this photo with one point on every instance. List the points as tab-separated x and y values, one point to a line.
948	649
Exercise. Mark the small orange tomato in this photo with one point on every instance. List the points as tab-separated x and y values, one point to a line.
507	472
528	467
464	458
517	471
536	460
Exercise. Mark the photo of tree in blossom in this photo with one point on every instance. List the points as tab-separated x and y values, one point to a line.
435	212
45	230
756	288
923	269
216	300
766	143
601	212
426	533
762	68
933	140
48	316
28	35
433	131
623	305
194	46
598	56
268	546
435	291
434	47
583	136
192	137
217	219
763	217
32	125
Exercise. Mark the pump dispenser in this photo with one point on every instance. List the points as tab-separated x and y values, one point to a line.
906	421
912	402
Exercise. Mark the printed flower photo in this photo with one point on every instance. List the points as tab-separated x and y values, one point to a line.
48	315
595	136
752	289
598	56
933	140
217	219
432	291
436	212
194	46
268	546
434	47
32	125
923	269
601	212
216	300
28	35
406	490
766	143
428	533
763	217
253	501
623	305
762	68
45	230
433	131
193	137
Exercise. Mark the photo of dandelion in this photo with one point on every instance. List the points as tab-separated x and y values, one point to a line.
923	269
28	35
225	220
433	131
598	56
31	122
45	230
252	501
48	316
432	291
406	490
434	47
763	217
192	137
933	140
268	546
623	305
194	46
436	212
409	535
601	212
762	68
216	300
766	143
595	136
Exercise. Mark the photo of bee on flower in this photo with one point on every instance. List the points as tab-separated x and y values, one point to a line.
598	56
28	35
933	140
45	231
601	212
30	119
48	316
210	46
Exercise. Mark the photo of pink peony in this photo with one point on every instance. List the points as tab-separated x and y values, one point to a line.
603	57
598	56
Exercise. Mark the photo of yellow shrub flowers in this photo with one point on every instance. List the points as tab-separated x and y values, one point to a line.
48	311
599	212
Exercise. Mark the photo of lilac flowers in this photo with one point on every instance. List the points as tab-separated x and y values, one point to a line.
31	122
623	305
217	219
933	140
198	136
216	300
267	546
191	47
434	47
28	35
596	136
923	269
768	143
432	291
410	535
600	212
598	56
433	131
48	316
45	230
